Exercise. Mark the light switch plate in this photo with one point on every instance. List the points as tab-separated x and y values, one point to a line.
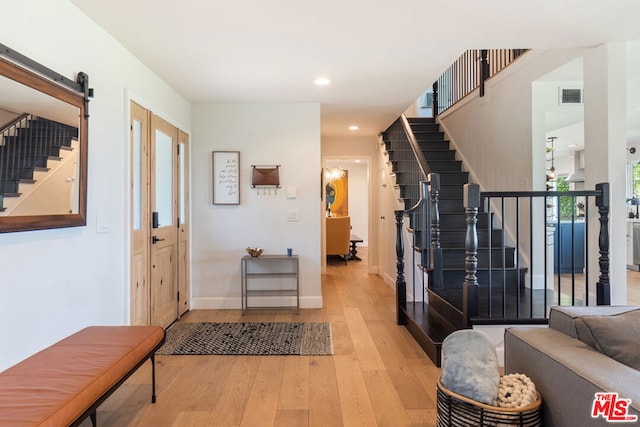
102	224
292	215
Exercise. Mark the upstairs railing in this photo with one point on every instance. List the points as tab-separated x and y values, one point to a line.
468	72
10	159
11	128
525	215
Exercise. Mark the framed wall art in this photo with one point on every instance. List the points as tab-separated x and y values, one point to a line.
226	177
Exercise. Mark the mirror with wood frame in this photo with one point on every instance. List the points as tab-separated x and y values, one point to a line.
43	152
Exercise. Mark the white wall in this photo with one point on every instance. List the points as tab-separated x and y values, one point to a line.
265	134
388	204
55	282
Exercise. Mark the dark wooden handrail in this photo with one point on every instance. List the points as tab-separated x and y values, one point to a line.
417	151
6	128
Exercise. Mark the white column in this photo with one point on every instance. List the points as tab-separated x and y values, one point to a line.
605	154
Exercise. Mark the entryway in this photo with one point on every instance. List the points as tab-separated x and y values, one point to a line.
159	219
346	191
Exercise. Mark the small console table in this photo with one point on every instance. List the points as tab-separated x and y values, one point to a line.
270	267
354	240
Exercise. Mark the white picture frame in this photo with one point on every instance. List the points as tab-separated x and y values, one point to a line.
226	177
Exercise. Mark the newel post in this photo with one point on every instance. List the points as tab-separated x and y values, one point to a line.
484	69
603	287
401	284
435	99
470	294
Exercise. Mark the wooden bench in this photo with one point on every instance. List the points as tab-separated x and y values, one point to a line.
65	383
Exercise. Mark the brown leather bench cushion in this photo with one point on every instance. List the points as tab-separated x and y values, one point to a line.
58	384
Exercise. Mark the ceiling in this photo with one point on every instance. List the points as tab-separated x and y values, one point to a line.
380	55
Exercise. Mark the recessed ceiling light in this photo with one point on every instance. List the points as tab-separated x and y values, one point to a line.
354	127
322	81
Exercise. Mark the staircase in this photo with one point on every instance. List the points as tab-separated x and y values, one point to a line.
442	315
26	146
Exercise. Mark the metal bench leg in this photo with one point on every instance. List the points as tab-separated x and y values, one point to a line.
94	418
153	378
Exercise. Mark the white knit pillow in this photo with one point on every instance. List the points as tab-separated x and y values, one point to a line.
516	391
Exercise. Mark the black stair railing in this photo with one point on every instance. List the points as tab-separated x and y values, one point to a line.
469	72
26	144
426	215
426	208
419	190
524	214
410	169
9	158
401	282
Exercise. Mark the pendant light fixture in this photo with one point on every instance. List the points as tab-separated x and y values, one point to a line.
552	172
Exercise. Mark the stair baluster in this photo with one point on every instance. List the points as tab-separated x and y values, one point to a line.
401	284
470	294
603	291
435	264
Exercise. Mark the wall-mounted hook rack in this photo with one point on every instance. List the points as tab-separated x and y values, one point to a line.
265	177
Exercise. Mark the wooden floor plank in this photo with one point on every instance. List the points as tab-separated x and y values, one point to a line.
262	404
387	405
423	417
235	393
192	419
290	418
324	402
354	396
368	356
294	393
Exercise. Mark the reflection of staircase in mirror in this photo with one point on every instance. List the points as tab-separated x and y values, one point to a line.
38	167
50	191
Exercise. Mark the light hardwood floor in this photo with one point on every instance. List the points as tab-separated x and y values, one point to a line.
378	375
633	288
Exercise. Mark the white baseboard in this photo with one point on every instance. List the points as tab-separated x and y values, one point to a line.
391	281
231	303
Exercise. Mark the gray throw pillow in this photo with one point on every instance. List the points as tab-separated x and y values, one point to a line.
617	336
470	366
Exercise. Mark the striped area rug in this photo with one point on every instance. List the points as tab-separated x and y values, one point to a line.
248	338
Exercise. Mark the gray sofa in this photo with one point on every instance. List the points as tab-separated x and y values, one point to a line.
567	371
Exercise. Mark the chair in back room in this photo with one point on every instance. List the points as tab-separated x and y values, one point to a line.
338	234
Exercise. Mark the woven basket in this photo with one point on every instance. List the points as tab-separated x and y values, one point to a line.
457	410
